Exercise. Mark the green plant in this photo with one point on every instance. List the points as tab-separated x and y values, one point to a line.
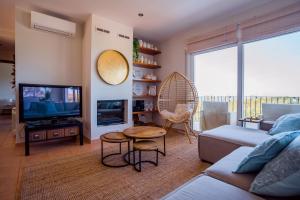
136	47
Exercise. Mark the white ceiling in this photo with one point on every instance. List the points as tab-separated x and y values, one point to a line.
162	18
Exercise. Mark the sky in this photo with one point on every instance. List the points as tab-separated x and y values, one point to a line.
272	68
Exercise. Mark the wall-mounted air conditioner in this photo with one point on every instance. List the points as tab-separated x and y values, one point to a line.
52	24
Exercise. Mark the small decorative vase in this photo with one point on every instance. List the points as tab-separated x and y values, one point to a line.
141	60
141	43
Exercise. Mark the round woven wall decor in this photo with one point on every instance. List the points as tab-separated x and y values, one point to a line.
112	67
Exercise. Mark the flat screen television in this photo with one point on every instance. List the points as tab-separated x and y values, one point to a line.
46	102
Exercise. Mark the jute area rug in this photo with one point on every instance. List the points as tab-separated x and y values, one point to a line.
84	177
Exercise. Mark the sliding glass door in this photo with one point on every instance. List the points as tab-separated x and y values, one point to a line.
215	77
271	73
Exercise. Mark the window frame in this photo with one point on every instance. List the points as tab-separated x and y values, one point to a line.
190	65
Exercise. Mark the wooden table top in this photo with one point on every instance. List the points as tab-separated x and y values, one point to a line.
114	137
144	132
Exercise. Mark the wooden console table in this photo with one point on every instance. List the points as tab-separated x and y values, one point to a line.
40	132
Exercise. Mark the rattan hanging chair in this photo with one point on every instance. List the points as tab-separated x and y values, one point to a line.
177	102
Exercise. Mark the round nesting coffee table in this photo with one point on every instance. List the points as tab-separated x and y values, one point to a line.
144	145
115	137
147	132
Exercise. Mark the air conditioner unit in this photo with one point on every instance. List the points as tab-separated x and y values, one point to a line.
52	24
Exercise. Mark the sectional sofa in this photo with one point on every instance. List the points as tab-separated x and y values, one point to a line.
216	143
226	147
218	181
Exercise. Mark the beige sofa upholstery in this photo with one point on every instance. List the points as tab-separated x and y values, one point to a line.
207	188
271	112
224	146
222	170
218	182
216	143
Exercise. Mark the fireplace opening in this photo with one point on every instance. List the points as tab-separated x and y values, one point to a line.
110	112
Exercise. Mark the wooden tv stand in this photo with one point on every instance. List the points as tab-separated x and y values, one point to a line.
50	130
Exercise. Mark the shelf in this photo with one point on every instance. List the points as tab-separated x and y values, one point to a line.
149	51
144	96
148	66
143	112
147	80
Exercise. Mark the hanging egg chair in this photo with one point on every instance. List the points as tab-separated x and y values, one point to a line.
177	102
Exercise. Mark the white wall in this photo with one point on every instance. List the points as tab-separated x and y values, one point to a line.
99	90
6	92
45	58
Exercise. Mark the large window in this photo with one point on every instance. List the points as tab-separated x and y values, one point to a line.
215	78
272	68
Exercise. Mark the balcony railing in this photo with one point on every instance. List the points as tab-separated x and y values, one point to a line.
252	104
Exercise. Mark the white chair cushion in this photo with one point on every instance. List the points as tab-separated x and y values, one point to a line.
182	112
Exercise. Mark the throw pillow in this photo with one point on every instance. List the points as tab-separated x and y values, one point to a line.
265	152
281	176
289	122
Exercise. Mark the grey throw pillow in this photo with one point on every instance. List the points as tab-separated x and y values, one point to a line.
281	176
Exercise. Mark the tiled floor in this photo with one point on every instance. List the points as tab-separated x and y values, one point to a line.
12	157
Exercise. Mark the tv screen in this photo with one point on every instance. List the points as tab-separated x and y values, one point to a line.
38	102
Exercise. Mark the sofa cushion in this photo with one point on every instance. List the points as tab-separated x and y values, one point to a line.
281	176
206	144
238	135
289	122
222	170
227	138
265	152
207	188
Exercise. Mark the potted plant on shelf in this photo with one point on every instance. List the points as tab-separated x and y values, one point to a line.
135	50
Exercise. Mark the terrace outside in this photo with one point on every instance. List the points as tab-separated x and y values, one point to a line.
252	105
